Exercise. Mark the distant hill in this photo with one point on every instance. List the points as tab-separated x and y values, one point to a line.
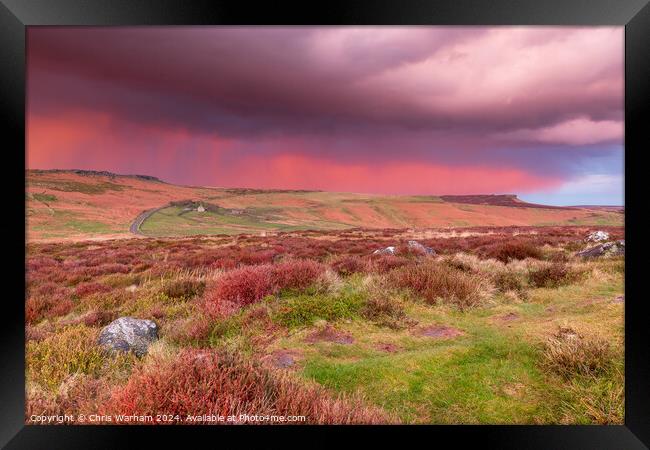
80	204
613	208
497	200
95	173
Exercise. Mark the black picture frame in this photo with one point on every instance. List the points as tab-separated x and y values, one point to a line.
16	15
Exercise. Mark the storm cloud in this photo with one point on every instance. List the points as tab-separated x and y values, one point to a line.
210	105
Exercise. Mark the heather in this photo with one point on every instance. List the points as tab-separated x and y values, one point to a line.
316	324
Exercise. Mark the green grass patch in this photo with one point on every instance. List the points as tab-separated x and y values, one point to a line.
87	226
494	380
295	310
173	221
45	198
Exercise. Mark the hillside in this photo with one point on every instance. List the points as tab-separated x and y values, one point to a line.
86	204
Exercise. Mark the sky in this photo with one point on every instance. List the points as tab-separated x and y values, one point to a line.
532	111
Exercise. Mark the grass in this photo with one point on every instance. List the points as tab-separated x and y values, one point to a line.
257	210
361	329
493	374
94	187
469	387
570	354
173	221
87	226
438	283
222	382
554	275
296	310
45	198
73	351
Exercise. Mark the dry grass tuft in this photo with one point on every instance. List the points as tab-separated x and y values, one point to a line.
184	288
437	282
568	354
72	351
554	275
386	311
507	251
348	265
602	404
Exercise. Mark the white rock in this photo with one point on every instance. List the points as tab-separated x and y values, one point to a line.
385	251
415	245
597	236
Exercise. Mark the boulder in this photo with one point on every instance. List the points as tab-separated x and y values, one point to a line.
129	334
385	251
597	236
416	246
616	248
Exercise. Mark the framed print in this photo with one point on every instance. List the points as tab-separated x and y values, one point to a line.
357	218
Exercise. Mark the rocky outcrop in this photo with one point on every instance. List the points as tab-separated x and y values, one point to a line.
597	236
419	248
411	247
128	334
616	248
385	251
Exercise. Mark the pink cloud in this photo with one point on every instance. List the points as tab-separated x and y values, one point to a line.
572	132
296	171
91	141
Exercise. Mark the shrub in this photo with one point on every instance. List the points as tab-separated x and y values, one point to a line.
37	333
105	269
386	263
53	359
141	267
48	289
243	286
37	308
79	393
506	280
190	331
225	383
297	274
437	282
385	311
98	318
184	288
459	264
250	284
554	275
506	251
558	256
86	289
568	354
348	265
306	309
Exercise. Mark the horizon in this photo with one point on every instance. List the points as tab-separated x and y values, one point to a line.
375	110
100	172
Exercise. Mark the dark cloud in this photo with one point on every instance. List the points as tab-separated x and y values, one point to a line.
243	81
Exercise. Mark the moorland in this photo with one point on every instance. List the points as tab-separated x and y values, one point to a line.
342	308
